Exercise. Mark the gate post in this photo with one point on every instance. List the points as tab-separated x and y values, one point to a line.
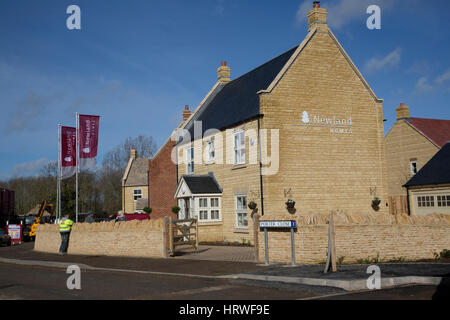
165	240
256	235
196	233
171	248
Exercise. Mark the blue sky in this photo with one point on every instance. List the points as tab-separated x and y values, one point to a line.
137	63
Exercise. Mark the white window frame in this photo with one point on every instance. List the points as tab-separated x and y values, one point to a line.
413	167
241	210
190	160
239	146
208	208
443	200
425	201
211	150
134	194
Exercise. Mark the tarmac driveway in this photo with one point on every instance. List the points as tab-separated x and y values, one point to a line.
216	253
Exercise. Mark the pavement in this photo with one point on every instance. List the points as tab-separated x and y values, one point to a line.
208	263
217	253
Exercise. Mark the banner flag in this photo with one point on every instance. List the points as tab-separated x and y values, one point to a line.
68	152
88	139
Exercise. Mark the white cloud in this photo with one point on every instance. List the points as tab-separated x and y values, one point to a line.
440	83
391	60
422	86
343	12
443	77
29	168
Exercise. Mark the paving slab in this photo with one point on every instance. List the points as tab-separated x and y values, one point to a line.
217	253
354	277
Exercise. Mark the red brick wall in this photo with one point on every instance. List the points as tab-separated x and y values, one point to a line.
162	183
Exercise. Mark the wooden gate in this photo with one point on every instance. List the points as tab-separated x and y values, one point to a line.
182	232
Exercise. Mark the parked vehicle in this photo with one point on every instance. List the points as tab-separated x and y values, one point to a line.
5	239
31	222
6	206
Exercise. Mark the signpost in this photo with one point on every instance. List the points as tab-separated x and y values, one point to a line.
278	224
15	232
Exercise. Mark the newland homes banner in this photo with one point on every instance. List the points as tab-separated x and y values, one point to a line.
88	126
68	152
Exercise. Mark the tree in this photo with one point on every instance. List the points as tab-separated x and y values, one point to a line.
118	157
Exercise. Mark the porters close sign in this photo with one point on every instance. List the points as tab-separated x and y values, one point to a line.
278	224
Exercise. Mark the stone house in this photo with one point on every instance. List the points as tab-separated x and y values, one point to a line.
410	144
135	184
428	191
304	126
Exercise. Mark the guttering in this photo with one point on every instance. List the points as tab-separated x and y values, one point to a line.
260	170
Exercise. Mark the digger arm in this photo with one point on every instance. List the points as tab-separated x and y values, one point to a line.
38	219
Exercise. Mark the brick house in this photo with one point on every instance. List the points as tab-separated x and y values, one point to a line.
162	179
135	184
410	144
429	189
304	126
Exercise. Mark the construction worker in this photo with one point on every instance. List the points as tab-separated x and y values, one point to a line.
65	225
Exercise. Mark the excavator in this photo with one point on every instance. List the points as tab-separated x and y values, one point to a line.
31	222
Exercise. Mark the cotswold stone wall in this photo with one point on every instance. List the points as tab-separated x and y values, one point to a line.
129	239
359	237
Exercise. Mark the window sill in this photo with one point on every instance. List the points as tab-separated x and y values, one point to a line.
209	223
208	163
241	230
239	166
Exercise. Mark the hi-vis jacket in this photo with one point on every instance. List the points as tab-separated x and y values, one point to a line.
65	225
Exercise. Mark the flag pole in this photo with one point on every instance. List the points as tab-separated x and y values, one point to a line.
58	177
77	166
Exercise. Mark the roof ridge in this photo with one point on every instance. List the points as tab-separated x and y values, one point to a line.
429	119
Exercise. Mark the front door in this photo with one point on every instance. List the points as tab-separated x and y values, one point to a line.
187	208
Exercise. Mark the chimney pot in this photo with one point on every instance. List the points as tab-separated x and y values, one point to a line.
186	113
133	154
223	73
317	17
402	112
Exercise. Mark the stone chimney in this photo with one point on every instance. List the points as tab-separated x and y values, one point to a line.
402	112
317	17
186	113
223	73
133	154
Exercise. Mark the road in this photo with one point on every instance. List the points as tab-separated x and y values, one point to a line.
32	282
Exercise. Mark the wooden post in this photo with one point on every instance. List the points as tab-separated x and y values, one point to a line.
256	235
171	248
196	233
331	254
332	244
165	244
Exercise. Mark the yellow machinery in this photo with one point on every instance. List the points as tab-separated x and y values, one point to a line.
31	222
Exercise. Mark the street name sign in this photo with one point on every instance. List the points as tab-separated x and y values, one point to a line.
278	224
